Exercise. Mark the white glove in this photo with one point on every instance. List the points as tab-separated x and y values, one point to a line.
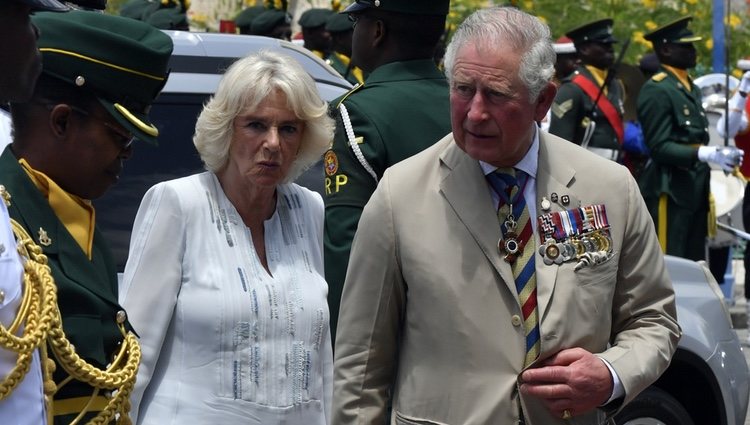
726	157
744	86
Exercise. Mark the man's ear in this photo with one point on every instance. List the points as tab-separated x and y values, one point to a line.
59	120
380	33
544	101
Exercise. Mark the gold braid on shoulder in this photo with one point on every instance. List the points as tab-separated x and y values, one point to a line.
41	319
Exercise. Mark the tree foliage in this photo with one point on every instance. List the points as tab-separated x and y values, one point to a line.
633	19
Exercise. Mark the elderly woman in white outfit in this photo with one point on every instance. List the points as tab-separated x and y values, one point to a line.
224	282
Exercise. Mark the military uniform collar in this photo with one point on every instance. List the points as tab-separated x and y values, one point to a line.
419	69
681	75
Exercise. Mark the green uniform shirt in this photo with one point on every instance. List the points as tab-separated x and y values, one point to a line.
571	106
86	289
402	108
674	124
336	62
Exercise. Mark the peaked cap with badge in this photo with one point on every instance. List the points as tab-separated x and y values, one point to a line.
674	32
123	61
134	9
338	23
169	18
599	31
268	20
245	18
315	17
416	7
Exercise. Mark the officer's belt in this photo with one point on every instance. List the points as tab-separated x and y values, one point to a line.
70	406
611	154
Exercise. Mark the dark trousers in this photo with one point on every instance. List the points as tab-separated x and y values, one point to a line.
717	262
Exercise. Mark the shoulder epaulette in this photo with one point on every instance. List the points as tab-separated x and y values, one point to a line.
355	88
659	76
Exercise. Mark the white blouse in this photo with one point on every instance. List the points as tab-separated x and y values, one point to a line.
222	340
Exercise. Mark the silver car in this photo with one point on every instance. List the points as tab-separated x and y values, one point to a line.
707	381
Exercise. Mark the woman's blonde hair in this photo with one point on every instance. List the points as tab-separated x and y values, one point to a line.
244	85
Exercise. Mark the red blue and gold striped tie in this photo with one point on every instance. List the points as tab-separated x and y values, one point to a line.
516	224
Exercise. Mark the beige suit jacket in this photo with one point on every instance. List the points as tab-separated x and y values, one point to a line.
429	313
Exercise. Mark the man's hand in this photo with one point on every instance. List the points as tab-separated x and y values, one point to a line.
726	157
571	382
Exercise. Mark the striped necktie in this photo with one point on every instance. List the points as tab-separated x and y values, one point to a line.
517	232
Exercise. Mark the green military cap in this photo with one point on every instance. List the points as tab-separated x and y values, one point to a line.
673	32
245	18
338	23
266	21
315	17
599	31
169	18
123	61
40	5
133	9
416	7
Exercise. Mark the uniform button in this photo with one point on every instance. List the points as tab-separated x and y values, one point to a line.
121	316
2	296
687	122
516	320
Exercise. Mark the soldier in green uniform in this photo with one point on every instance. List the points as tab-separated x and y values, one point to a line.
314	33
274	23
100	74
134	8
341	30
244	19
401	109
170	18
675	184
574	117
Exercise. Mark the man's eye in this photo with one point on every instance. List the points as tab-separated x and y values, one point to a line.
495	96
463	89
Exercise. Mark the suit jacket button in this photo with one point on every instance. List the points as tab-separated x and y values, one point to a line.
516	320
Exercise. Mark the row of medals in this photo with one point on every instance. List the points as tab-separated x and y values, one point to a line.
597	243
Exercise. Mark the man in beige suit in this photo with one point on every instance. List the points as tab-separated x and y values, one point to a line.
432	319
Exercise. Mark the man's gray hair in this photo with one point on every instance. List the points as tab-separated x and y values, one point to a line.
525	33
245	85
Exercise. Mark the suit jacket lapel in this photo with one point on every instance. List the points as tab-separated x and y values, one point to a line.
465	190
31	210
553	176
